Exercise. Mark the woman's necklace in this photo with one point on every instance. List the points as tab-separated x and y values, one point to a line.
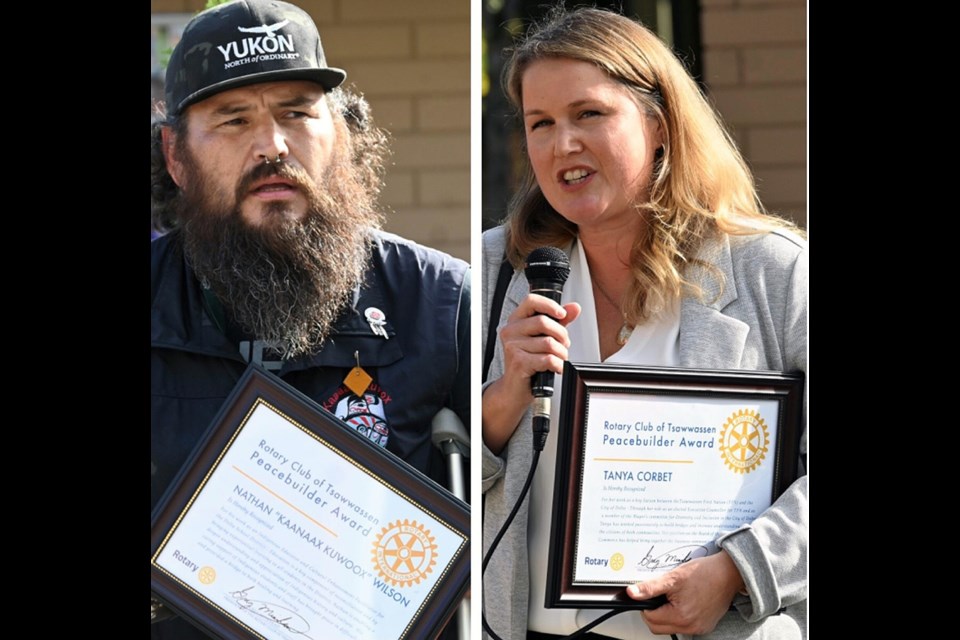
625	328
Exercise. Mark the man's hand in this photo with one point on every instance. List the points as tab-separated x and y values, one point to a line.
699	594
158	611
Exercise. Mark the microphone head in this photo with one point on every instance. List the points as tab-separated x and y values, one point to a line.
547	264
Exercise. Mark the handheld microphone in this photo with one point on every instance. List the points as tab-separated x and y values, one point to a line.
546	269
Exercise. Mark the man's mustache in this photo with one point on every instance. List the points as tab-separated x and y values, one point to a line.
284	170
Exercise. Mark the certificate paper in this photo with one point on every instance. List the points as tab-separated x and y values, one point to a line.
291	536
666	476
654	464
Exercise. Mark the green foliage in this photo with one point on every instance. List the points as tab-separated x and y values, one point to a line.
485	68
165	54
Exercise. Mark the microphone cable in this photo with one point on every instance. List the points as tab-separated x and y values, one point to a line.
503	530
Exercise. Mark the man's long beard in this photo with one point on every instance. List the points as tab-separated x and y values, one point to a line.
286	281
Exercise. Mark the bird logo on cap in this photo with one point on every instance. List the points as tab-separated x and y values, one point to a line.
267	28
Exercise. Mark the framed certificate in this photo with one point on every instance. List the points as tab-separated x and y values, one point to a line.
654	463
284	523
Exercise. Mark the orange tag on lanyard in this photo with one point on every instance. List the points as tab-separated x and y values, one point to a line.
357	380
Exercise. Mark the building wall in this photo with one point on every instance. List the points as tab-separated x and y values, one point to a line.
755	65
411	60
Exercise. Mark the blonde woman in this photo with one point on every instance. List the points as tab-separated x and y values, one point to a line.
674	262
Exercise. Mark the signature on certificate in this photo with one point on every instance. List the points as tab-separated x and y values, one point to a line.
275	613
654	559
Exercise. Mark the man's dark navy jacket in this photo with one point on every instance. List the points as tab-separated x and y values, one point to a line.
424	366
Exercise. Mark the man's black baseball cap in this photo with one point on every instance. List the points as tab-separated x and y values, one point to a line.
245	42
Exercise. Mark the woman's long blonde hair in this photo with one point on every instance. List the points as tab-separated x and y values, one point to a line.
701	185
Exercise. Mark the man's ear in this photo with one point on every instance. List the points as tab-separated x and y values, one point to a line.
174	165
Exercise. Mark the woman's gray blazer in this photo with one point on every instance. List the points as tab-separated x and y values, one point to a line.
758	322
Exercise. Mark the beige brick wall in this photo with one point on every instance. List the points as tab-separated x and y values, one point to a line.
411	60
755	65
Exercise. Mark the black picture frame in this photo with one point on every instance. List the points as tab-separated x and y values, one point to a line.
580	380
259	389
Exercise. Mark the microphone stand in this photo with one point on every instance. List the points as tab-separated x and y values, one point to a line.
450	436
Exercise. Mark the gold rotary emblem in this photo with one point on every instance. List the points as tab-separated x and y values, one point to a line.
207	575
616	561
744	440
404	553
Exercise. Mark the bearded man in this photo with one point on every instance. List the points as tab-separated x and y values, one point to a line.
265	178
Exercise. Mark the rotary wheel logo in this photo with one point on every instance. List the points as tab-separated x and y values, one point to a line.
207	575
616	561
404	553
744	441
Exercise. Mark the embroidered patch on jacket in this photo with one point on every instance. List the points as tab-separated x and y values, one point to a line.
364	413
